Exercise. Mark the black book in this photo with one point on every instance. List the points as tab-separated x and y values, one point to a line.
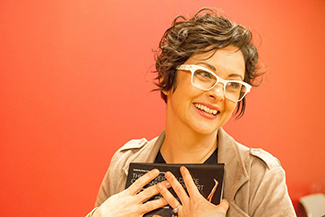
205	176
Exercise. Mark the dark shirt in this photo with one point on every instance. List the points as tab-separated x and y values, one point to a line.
213	159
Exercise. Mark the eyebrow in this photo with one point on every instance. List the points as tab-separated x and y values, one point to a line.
208	65
211	67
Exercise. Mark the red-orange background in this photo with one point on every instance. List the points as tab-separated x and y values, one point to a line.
75	81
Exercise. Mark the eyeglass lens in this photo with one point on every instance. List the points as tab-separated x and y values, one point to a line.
205	80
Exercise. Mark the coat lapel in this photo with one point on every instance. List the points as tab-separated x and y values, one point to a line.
235	171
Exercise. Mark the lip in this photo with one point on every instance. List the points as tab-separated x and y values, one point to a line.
204	114
208	105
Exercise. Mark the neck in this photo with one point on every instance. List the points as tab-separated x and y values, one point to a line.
182	145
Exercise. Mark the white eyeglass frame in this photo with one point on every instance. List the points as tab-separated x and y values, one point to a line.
193	68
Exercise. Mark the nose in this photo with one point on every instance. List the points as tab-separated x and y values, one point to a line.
217	92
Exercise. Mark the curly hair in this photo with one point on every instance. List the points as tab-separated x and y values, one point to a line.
202	34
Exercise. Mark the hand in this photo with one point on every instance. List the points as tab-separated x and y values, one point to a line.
131	203
194	205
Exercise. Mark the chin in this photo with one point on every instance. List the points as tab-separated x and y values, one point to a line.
205	130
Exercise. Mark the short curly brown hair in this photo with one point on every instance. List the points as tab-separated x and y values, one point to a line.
201	34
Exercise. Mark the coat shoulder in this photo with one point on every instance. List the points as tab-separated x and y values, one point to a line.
134	144
268	159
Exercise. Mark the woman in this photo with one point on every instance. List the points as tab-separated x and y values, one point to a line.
206	66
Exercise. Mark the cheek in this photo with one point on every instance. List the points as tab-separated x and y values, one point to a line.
186	92
230	107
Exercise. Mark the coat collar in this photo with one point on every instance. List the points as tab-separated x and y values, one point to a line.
146	154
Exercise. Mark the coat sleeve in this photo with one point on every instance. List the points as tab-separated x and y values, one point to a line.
269	193
115	179
104	190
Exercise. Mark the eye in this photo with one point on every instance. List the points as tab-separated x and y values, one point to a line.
234	86
204	75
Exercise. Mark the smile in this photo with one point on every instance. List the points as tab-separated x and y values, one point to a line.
206	109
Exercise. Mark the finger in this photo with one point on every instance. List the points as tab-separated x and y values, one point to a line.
152	205
142	181
149	192
224	205
178	188
171	200
189	183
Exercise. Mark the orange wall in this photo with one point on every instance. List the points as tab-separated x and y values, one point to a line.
75	81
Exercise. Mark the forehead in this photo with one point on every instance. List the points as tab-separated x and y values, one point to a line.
226	60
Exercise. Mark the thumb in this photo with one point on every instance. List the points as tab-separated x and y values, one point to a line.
224	205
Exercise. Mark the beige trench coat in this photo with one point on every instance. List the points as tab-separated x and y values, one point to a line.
254	180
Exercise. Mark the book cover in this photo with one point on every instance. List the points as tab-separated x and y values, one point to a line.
205	176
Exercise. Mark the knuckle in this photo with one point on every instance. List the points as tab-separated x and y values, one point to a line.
148	207
148	192
138	183
163	191
160	188
179	188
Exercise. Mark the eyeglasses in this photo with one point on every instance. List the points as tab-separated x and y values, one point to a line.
205	79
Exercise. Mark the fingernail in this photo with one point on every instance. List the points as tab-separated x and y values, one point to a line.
168	185
167	174
155	171
159	186
182	169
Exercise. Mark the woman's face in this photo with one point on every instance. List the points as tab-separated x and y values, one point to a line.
205	111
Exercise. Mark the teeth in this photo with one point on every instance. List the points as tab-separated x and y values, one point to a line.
206	109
